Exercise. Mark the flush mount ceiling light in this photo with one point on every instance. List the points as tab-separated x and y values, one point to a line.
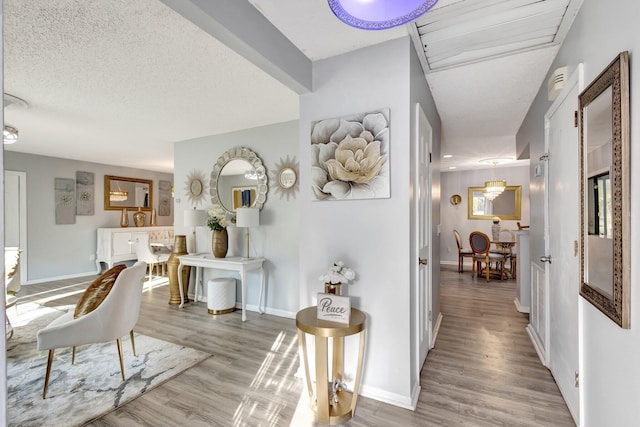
379	14
10	134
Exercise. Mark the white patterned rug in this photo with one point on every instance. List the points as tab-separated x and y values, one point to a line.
92	386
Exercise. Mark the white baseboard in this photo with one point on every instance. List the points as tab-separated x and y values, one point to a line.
251	307
521	308
394	399
436	329
536	344
415	395
53	279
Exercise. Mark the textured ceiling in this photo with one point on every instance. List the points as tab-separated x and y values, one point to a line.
119	81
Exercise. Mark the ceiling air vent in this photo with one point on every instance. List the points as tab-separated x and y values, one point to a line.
556	82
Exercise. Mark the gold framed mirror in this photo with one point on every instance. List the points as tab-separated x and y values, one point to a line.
506	206
131	193
605	193
237	170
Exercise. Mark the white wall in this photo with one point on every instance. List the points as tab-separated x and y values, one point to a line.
456	217
371	236
277	237
610	369
59	251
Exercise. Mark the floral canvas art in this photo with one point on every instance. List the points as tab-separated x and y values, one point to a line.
350	157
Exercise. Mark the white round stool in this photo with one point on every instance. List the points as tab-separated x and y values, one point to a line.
221	295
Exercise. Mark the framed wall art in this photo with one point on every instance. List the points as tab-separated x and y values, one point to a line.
350	157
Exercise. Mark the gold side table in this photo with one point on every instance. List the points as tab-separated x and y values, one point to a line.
307	322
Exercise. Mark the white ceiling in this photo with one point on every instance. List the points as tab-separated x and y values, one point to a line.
119	81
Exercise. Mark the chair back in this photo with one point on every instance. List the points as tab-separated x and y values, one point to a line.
142	248
458	239
121	307
480	243
12	282
507	235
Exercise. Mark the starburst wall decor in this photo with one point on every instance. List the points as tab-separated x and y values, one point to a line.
285	175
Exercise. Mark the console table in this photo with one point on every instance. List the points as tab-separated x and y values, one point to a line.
307	322
113	244
236	264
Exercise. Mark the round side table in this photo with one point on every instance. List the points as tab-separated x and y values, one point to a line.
322	330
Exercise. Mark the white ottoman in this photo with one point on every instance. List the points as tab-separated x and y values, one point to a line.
221	295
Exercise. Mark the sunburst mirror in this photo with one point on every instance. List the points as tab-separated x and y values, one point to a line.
195	187
286	177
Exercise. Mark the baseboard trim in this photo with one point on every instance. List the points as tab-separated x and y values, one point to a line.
251	307
521	308
65	277
401	401
436	329
537	345
415	395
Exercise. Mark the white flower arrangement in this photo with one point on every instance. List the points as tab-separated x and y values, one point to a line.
338	273
217	218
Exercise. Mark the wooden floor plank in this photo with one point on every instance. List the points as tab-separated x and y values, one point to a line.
483	370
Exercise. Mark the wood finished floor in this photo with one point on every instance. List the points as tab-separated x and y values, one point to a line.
483	370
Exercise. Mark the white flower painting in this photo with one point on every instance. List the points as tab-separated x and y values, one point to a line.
350	157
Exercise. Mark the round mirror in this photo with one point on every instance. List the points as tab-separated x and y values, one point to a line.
238	179
288	178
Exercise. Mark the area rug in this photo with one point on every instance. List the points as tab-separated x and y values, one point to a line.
92	386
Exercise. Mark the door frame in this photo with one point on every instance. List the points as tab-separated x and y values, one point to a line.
22	191
575	80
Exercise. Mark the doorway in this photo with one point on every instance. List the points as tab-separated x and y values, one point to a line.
15	215
562	236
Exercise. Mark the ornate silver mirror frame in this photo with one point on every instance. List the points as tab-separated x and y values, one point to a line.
251	176
605	268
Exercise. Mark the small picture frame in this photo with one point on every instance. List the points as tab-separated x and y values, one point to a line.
334	308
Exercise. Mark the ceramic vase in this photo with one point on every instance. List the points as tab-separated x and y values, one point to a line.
124	219
220	243
179	248
139	218
332	288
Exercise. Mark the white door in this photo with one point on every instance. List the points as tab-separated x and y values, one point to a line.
562	234
15	215
423	226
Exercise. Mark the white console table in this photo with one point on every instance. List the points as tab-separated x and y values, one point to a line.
113	244
236	264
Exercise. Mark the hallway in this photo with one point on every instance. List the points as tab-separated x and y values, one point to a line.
484	370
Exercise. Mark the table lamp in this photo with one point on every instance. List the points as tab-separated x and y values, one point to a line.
194	218
247	217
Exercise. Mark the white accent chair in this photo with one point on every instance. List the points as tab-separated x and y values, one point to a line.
144	253
116	316
12	282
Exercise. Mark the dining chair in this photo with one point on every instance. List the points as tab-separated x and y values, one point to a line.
509	252
113	318
462	252
144	253
481	247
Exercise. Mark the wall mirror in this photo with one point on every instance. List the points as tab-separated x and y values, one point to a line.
237	170
505	206
604	176
131	193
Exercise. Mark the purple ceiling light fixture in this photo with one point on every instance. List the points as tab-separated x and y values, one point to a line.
379	14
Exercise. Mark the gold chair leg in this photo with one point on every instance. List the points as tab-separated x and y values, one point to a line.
9	326
133	343
73	355
119	343
46	376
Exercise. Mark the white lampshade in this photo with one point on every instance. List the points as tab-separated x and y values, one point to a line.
195	218
247	217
